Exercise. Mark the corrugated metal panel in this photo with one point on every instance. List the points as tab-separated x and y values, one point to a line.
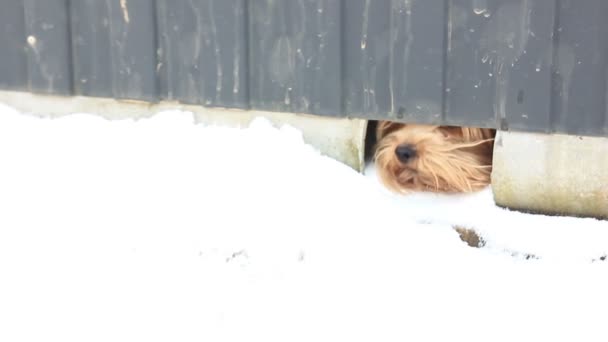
580	58
13	64
47	48
114	48
203	52
512	64
393	53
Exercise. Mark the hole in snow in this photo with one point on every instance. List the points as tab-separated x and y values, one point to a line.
470	237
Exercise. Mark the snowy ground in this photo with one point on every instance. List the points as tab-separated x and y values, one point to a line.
161	230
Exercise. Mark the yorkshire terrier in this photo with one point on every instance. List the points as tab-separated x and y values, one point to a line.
429	158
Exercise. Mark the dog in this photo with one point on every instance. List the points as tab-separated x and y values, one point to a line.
432	158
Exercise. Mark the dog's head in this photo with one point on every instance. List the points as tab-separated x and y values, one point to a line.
433	158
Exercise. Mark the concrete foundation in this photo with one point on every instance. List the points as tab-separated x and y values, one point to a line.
551	174
342	139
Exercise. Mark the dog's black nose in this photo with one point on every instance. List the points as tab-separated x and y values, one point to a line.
405	152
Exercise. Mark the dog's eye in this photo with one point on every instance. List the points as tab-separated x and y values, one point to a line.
385	128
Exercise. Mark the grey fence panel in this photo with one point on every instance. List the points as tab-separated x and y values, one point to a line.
474	54
527	103
416	61
497	59
366	36
133	45
581	67
13	63
202	50
525	65
295	56
48	48
394	59
115	48
92	49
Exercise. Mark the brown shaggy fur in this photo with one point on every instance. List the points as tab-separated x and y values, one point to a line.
447	159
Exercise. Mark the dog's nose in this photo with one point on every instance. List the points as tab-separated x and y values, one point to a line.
405	152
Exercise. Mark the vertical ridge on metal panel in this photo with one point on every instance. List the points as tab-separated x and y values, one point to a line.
343	59
244	76
13	68
556	88
581	68
47	49
295	56
240	66
179	48
471	65
202	44
92	56
325	87
525	100
163	67
445	106
366	50
133	49
472	41
70	43
417	52
157	50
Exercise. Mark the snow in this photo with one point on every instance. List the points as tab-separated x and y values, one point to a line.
163	230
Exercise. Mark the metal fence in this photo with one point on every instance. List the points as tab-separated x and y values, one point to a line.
527	65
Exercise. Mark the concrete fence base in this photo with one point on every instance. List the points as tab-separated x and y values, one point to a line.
342	139
551	174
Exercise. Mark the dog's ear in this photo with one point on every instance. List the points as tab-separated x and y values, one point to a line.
385	128
452	131
488	133
471	134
